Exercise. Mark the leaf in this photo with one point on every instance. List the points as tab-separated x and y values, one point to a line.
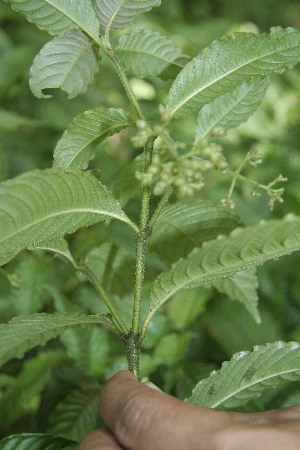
184	225
59	247
76	415
126	185
74	149
67	62
27	387
26	332
32	441
231	109
243	288
40	206
88	347
115	14
147	53
58	16
225	256
229	62
247	374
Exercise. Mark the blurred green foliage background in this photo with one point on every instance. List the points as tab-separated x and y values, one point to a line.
198	329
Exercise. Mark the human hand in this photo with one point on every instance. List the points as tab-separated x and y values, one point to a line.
142	418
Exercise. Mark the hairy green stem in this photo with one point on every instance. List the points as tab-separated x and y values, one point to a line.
127	87
142	236
92	277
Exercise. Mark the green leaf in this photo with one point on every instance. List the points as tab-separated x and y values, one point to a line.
116	14
74	149
26	332
184	225
243	288
76	415
89	347
126	186
67	62
40	206
59	247
225	256
58	16
32	441
27	387
228	63
247	374
231	109
147	53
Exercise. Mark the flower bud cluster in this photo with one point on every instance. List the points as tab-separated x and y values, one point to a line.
143	134
185	174
214	153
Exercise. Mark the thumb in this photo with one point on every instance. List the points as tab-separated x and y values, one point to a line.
143	418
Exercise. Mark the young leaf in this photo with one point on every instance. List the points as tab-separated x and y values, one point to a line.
58	16
242	288
228	63
231	109
147	53
40	206
26	332
67	62
115	14
32	441
184	225
76	415
225	256
74	149
247	374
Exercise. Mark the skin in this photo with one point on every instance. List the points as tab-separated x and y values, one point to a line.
140	417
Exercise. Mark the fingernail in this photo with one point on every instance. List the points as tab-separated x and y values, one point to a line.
152	386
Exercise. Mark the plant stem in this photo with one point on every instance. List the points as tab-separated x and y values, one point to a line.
91	276
160	206
133	342
126	84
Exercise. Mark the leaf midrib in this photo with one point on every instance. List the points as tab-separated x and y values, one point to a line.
236	267
198	91
152	55
72	19
64	213
261	380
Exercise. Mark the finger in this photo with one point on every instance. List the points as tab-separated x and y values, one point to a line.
100	440
142	418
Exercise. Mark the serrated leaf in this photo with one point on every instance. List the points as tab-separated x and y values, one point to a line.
40	206
67	62
224	257
147	53
231	109
29	384
76	415
247	374
242	288
185	225
26	332
58	16
59	247
116	14
74	149
228	63
37	442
